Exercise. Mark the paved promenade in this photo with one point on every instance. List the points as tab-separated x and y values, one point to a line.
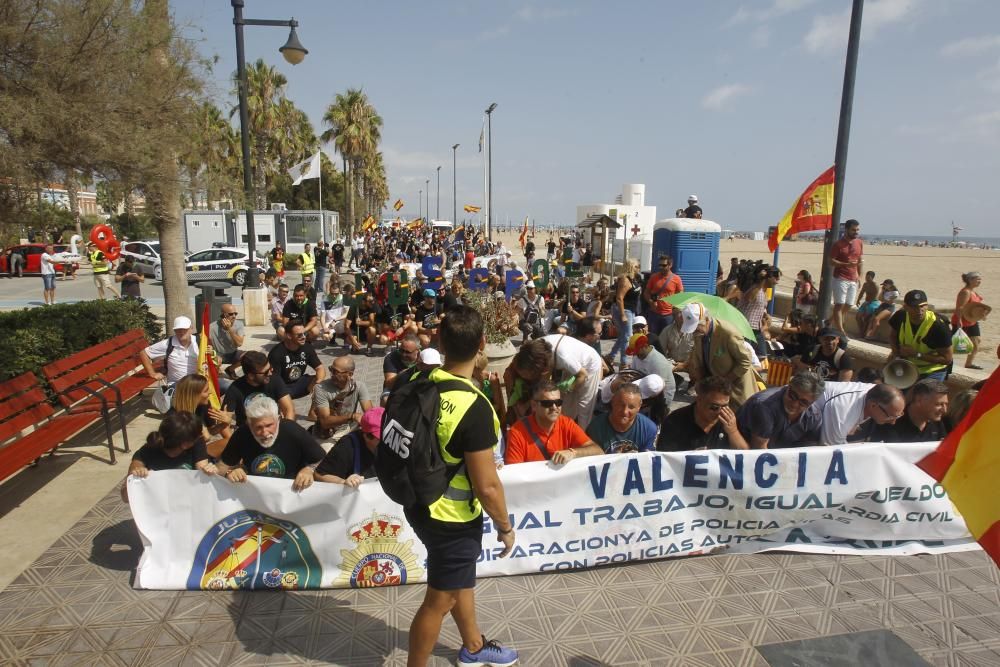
71	548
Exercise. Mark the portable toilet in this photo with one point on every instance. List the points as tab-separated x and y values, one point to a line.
694	246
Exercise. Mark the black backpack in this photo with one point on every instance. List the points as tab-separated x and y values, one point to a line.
408	458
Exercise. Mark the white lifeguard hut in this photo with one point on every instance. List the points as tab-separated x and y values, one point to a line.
636	220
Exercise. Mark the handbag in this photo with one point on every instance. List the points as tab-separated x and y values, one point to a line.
163	396
960	342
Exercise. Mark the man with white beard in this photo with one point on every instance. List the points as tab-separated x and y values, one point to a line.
270	446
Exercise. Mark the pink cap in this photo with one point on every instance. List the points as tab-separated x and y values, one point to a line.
371	422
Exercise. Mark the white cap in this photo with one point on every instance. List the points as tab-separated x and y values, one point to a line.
692	314
430	357
692	199
639	319
181	322
650	386
528	284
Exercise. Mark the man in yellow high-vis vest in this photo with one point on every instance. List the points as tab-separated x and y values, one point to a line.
921	336
451	528
102	272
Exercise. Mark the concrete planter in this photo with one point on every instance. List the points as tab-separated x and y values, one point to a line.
500	356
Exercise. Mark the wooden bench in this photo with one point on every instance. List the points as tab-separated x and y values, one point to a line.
23	404
102	374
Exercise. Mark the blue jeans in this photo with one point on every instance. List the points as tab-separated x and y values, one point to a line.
624	323
657	322
940	376
320	279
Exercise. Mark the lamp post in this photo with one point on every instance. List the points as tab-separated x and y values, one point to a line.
489	170
437	213
293	52
420	212
427	184
454	185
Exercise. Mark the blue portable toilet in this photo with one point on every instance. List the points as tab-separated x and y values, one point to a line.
694	245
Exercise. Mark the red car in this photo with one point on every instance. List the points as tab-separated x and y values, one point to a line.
31	254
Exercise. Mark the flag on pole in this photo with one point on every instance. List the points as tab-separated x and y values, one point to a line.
482	135
416	223
460	234
398	205
469	208
368	223
967	463
305	170
812	211
206	360
524	232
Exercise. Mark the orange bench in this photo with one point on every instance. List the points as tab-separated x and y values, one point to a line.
101	377
23	404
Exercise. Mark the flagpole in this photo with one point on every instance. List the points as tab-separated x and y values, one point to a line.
322	218
840	159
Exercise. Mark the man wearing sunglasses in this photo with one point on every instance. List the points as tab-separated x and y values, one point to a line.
258	378
292	357
708	423
783	417
226	335
547	434
850	410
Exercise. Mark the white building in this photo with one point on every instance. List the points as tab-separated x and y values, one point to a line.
292	229
637	220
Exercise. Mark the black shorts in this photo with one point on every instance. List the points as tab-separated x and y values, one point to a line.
452	551
973	330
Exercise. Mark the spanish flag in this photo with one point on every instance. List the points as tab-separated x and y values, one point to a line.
812	211
469	208
967	463
459	234
524	232
398	205
206	360
368	224
416	223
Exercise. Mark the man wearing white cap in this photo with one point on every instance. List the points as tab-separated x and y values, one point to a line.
180	352
693	210
718	350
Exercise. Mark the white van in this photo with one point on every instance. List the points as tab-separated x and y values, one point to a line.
442	225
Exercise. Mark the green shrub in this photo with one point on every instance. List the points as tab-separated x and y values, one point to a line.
38	336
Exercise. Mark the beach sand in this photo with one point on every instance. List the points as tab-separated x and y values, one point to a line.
937	271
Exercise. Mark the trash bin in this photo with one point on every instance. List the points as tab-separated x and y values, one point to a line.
214	294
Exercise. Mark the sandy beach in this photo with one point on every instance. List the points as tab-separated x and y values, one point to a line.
937	271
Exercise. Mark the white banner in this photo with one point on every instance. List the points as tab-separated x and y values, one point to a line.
203	532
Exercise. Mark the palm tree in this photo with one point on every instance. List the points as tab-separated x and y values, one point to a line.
355	130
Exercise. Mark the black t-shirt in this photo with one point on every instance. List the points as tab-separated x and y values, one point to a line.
529	247
291	365
348	455
155	458
241	391
360	312
322	256
579	306
691	210
201	412
338	253
680	433
394	363
552	247
939	335
423	315
904	430
828	367
304	312
130	286
292	450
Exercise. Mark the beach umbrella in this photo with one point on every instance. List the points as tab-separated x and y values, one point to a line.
717	306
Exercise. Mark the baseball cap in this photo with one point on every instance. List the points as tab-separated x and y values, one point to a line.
430	293
692	199
371	422
915	297
529	285
430	357
181	322
826	332
650	386
636	343
639	320
692	314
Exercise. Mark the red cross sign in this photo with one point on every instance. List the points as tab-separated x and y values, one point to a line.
636	230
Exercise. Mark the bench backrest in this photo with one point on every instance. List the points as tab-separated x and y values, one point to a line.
23	403
110	361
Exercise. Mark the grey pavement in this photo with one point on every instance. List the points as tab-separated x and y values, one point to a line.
72	547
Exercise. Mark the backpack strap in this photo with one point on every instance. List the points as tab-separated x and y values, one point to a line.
357	456
536	439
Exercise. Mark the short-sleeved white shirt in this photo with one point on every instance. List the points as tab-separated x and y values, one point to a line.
572	355
48	267
842	406
183	361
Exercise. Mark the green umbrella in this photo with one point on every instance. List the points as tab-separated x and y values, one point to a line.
719	308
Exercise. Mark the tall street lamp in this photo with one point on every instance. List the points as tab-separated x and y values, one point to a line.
437	214
427	184
293	52
454	185
489	171
420	212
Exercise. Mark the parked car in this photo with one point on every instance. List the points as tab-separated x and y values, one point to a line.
31	253
146	257
221	264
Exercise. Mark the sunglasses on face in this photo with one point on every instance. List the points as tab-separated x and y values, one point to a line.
551	403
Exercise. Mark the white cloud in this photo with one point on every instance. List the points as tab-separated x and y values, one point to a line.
717	99
774	10
829	31
971	46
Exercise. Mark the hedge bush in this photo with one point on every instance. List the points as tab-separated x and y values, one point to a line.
34	337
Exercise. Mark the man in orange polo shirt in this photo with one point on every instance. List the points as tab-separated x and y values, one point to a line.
547	430
660	314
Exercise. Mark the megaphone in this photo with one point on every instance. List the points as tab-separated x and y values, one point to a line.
900	373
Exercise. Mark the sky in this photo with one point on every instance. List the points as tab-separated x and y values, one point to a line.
736	102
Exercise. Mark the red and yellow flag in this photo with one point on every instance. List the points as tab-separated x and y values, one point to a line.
368	223
967	463
812	211
416	223
398	205
524	232
206	360
469	208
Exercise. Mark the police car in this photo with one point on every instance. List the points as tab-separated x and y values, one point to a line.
145	258
220	264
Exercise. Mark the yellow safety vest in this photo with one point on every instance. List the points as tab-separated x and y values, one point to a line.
916	341
99	262
307	263
458	504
